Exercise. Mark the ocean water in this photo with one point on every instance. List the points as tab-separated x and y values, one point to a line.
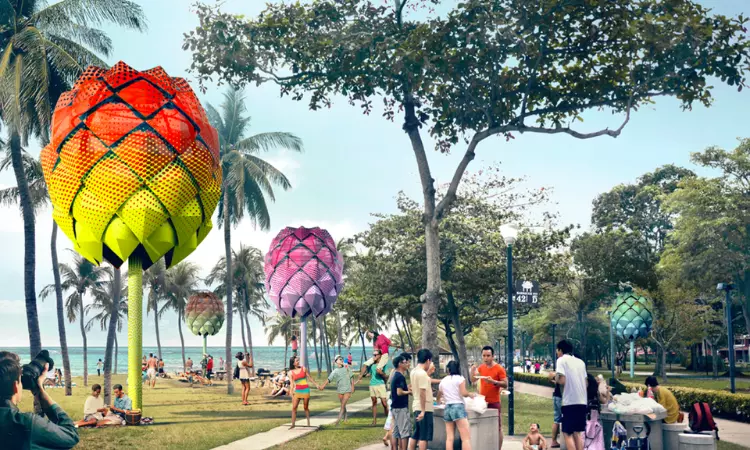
271	358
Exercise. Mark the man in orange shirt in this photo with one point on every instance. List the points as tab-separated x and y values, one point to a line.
492	378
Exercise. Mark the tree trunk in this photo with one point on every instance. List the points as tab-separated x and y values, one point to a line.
249	339
462	356
339	331
449	336
117	353
362	337
663	365
744	286
315	344
182	338
228	284
242	329
113	318
431	297
29	244
326	345
156	326
400	334
408	335
60	312
82	321
286	351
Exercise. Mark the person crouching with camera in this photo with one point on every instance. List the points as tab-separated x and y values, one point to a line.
22	430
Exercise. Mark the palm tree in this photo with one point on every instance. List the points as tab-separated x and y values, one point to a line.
280	326
250	288
81	277
247	179
44	48
155	279
181	281
39	199
107	299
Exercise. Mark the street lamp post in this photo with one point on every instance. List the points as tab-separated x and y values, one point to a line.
510	233
611	346
554	353
727	288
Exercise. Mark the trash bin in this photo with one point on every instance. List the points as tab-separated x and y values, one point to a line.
632	420
697	441
671	435
483	427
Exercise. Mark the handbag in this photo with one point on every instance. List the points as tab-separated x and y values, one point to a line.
594	433
133	417
236	372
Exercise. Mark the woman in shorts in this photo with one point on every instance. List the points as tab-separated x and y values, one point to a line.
452	389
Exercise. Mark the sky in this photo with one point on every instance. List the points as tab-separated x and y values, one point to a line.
354	165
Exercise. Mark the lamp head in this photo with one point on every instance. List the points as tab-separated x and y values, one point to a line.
509	231
724	287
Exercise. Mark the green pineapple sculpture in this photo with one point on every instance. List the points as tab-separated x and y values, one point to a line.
631	319
204	315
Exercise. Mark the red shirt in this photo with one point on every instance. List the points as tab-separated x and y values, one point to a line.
491	391
382	343
210	364
294	344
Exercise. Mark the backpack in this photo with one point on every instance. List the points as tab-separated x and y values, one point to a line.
701	419
594	433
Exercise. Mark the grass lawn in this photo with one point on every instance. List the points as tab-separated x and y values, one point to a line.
185	417
358	432
723	445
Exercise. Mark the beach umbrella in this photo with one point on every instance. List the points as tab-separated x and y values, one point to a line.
304	274
631	319
204	315
133	175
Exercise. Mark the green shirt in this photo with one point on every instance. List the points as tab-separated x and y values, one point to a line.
375	379
342	376
30	431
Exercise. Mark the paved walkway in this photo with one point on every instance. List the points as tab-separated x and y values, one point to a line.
729	430
282	434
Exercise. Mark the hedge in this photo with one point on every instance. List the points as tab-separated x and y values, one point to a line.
723	404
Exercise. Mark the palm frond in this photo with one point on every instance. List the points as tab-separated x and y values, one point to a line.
271	141
93	12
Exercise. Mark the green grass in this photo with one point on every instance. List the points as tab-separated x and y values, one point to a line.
724	445
357	432
185	417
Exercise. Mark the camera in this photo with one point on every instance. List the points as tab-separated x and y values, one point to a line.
31	372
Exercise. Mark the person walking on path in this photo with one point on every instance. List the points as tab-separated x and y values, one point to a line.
151	367
556	410
300	389
492	378
453	389
244	364
377	386
423	403
382	343
99	366
400	405
571	375
344	379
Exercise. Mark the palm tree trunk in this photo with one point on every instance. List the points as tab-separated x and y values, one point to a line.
315	343
326	345
362	337
249	338
228	284
60	312
117	353
135	330
242	329
29	244
156	326
182	339
85	344
339	331
113	317
286	351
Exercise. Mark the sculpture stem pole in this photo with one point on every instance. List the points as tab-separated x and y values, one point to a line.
303	343
205	339
632	358
135	333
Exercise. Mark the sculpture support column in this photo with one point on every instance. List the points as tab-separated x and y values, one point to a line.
135	332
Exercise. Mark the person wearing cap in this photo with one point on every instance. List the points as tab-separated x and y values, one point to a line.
344	379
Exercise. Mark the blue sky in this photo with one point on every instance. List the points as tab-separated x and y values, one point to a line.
354	165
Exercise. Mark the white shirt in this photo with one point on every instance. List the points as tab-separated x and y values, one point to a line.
574	389
92	405
450	387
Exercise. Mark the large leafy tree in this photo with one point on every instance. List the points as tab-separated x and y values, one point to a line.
248	179
44	48
181	281
482	69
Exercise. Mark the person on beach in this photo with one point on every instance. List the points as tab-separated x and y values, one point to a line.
571	375
294	345
99	366
344	379
300	389
161	367
349	358
452	388
244	363
377	385
492	379
381	343
423	404
210	367
221	363
151	369
189	365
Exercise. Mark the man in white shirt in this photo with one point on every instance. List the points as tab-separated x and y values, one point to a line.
571	375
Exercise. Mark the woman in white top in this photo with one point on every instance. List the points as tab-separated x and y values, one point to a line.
453	390
244	364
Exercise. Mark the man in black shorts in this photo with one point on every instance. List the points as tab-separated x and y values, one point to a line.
571	375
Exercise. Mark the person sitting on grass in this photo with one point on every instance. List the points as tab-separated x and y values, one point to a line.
122	404
534	440
95	413
665	399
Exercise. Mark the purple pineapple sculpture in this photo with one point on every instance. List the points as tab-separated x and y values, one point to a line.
303	272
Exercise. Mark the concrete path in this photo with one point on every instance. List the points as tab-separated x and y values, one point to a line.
282	434
509	443
729	430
